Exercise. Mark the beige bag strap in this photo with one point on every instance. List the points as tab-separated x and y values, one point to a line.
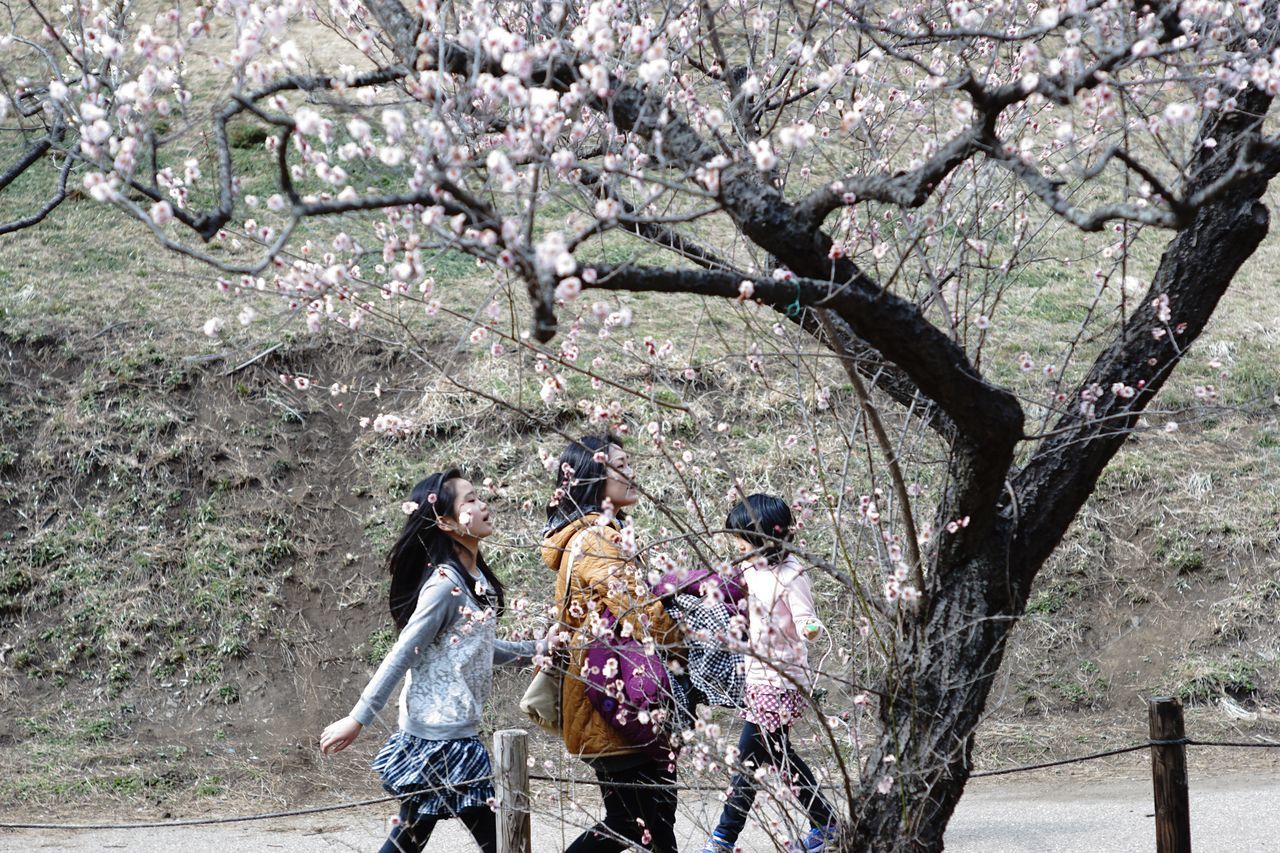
568	579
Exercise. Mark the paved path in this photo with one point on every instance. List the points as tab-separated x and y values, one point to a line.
1229	815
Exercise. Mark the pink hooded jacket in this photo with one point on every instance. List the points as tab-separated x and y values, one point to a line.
779	605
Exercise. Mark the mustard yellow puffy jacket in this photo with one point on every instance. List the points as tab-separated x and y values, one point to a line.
602	575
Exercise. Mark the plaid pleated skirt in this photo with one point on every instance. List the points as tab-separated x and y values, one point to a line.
439	777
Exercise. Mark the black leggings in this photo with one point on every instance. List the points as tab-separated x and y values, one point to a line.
758	747
629	811
412	834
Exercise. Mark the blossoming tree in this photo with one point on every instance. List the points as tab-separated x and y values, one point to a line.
883	176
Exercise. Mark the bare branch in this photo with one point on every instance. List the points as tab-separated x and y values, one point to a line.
887	322
886	449
398	23
1047	191
31	156
59	196
1193	275
648	229
908	189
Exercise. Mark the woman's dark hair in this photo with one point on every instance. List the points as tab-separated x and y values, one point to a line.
580	477
423	545
764	521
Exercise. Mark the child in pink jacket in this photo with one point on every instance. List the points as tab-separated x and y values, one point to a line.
780	620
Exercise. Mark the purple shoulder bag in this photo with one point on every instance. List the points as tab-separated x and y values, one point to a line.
628	687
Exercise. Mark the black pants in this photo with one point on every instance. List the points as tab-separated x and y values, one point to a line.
412	834
757	748
630	811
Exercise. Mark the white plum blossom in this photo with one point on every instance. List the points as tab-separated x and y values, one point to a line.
307	121
393	122
549	150
653	71
797	136
98	132
568	289
551	388
161	213
762	151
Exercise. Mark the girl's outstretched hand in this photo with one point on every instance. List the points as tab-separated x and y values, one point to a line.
338	736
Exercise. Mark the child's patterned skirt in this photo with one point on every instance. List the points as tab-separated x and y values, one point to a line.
772	708
444	777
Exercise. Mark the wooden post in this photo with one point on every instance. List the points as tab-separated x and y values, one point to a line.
511	779
1169	776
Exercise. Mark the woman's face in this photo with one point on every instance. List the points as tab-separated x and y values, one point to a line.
471	517
619	485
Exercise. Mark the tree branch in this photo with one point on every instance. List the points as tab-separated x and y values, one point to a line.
904	189
401	26
31	156
646	229
886	449
1089	221
988	419
59	196
1194	273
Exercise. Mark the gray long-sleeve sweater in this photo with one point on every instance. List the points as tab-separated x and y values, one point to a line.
448	651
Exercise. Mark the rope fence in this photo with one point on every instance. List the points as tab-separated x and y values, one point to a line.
208	821
571	780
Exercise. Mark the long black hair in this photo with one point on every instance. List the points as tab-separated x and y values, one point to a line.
764	521
580	479
423	545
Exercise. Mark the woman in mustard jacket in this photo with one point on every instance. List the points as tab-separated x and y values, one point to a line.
583	546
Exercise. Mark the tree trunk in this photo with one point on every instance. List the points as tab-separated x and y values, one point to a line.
933	700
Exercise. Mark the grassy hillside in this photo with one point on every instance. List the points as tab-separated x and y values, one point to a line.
190	580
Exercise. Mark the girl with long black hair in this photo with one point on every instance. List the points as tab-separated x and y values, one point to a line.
444	600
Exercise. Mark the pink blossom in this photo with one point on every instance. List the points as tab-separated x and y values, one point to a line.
307	121
1179	113
1161	304
161	213
762	151
393	122
568	289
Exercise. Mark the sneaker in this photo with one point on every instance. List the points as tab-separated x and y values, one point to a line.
716	844
819	838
